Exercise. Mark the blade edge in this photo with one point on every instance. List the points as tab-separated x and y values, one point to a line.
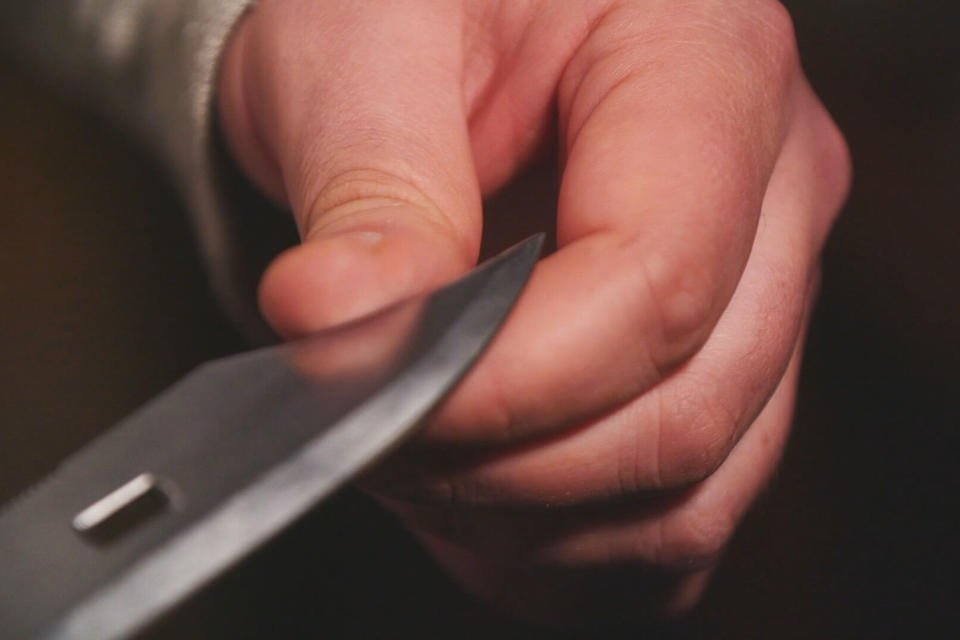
254	514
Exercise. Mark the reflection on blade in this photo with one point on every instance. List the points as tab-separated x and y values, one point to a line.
184	488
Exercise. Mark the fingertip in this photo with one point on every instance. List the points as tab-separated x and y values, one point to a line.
336	278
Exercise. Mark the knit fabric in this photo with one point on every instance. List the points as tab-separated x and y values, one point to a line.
150	66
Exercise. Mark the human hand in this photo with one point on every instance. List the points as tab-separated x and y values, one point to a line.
641	393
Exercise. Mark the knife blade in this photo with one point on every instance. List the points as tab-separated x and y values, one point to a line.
190	484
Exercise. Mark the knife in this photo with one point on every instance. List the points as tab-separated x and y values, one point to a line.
187	486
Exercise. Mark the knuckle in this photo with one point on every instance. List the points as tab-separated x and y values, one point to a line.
750	21
775	24
767	35
778	42
352	192
696	435
504	416
451	525
830	168
416	483
761	36
682	297
836	166
696	539
447	491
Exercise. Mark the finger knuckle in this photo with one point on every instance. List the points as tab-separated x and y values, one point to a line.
451	525
696	434
836	166
761	35
775	26
778	43
351	192
830	168
450	491
682	297
696	538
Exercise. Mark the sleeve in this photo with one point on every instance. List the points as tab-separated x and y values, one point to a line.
150	66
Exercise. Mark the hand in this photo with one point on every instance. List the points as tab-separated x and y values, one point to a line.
640	395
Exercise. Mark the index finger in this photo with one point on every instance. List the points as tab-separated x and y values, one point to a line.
672	121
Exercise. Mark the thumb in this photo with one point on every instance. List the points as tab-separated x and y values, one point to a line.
360	128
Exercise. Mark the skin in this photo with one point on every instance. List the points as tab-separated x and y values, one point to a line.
600	456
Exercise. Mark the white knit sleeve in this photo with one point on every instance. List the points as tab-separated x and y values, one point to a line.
150	65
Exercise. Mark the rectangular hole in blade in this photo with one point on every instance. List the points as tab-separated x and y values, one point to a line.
121	510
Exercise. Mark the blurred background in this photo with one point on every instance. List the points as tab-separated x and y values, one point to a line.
103	303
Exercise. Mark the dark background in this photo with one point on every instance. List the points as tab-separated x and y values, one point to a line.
103	303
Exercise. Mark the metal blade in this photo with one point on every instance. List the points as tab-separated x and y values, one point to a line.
191	483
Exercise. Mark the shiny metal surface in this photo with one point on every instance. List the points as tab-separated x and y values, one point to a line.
238	449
